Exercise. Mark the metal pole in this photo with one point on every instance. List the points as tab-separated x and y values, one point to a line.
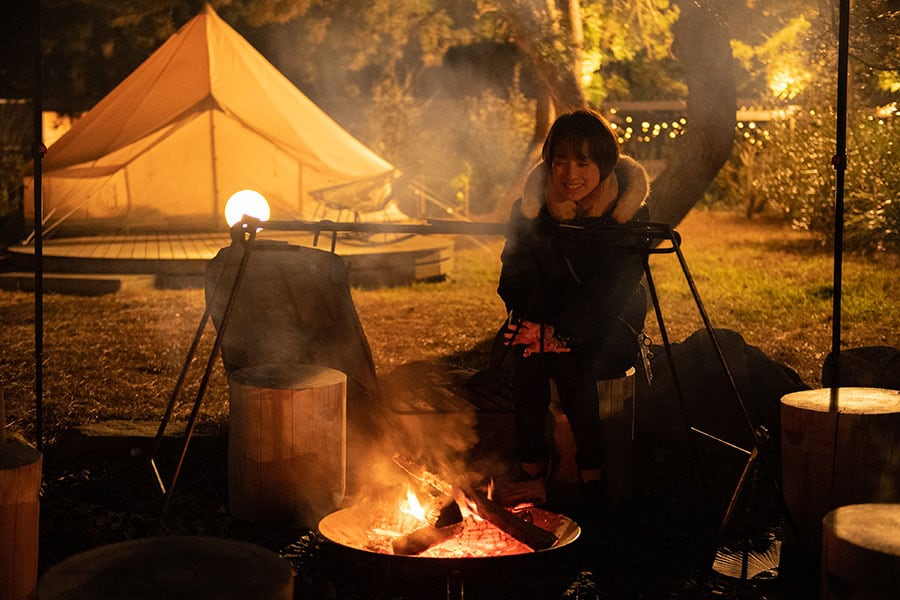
38	150
839	162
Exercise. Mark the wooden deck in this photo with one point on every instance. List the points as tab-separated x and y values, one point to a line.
151	247
179	260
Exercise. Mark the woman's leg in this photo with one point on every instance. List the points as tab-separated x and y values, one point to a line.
578	399
531	392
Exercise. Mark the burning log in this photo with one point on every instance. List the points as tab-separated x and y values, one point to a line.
423	475
448	515
365	527
532	536
446	524
423	538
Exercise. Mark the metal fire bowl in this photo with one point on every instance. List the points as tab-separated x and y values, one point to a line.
347	527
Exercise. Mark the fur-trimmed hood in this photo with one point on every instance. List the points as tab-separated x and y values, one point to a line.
629	183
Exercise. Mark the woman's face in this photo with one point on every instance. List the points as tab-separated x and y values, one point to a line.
574	175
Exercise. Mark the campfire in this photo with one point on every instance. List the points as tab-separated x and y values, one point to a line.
432	518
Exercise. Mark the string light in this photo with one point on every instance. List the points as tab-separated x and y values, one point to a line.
641	132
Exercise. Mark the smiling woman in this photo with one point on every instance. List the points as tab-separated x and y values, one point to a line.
571	285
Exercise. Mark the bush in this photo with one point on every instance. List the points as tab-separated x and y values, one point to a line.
791	170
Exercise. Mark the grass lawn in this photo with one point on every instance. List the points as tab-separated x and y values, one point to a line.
118	356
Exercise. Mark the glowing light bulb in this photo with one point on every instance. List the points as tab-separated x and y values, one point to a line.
246	202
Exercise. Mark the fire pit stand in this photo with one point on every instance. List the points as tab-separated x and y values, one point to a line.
346	531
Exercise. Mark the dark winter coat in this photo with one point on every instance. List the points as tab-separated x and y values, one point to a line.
581	277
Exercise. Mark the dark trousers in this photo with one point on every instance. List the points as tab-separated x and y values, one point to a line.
577	389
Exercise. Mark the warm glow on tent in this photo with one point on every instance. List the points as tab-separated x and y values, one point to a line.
246	202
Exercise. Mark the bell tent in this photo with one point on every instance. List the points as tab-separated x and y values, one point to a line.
206	115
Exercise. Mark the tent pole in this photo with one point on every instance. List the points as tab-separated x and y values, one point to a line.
38	150
213	163
839	161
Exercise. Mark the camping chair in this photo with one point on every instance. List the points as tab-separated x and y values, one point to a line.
359	197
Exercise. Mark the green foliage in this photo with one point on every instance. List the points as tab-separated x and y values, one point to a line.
15	142
457	126
778	62
627	51
496	139
735	186
89	46
787	165
790	170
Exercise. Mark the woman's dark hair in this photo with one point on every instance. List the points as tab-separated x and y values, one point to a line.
576	127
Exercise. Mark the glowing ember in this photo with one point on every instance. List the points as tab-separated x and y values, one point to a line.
477	537
378	527
446	521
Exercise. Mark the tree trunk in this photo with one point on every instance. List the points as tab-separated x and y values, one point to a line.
551	37
861	552
551	40
702	44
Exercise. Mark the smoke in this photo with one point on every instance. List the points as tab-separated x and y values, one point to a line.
459	126
422	421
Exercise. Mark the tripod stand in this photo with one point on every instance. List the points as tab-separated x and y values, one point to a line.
757	457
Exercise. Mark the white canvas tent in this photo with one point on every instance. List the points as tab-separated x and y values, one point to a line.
204	116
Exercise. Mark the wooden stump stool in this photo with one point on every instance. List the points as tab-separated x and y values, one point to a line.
20	483
170	567
616	435
286	443
861	552
832	458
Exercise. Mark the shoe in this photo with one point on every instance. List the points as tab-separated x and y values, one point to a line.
523	487
514	493
542	474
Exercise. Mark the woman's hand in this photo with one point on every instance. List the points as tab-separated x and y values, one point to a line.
528	334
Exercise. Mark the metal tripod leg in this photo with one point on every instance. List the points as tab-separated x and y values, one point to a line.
243	234
192	419
695	454
758	434
747	478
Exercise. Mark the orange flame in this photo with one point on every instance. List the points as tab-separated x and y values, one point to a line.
467	506
412	506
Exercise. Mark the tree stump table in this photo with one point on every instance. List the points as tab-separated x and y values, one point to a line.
838	447
616	407
286	443
861	552
170	567
20	484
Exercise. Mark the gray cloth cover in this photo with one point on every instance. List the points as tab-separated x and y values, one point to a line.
293	305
